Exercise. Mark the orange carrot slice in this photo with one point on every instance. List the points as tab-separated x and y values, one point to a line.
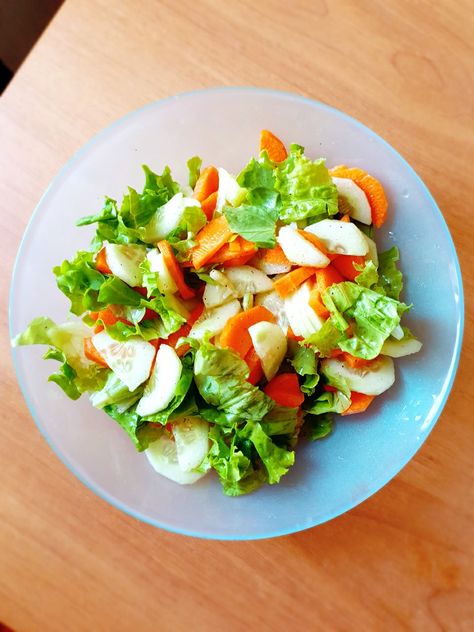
345	265
209	205
174	269
207	183
325	277
91	352
290	334
236	249
287	284
235	334
345	218
359	403
184	330
255	367
108	318
209	240
354	362
101	262
285	390
316	303
370	186
275	148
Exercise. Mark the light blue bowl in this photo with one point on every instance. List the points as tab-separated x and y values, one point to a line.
365	451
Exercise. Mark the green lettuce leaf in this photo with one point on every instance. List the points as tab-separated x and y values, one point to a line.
220	376
305	363
114	391
318	426
327	338
306	188
281	421
276	460
391	278
140	432
327	402
80	282
194	168
76	374
256	219
373	317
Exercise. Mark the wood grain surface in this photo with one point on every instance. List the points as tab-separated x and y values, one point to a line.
403	560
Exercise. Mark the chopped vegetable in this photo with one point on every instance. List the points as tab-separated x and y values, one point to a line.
372	189
359	403
207	184
285	390
209	240
172	265
235	334
273	146
287	284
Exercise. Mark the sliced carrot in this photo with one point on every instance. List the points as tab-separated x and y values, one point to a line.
255	367
209	205
238	261
329	389
207	183
325	277
101	262
345	265
354	362
287	284
316	242
290	334
275	148
235	334
274	256
316	303
345	218
91	352
285	390
108	318
149	314
370	186
184	330
209	240
335	353
236	249
156	342
174	269
359	403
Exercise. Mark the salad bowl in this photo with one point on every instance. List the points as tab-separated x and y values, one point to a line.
364	452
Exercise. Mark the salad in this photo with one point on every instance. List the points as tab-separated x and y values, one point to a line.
220	321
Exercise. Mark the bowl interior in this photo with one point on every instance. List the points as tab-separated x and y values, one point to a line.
365	451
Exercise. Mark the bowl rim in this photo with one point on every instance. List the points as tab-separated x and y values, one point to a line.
70	165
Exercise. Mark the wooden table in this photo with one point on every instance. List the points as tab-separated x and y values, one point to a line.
403	559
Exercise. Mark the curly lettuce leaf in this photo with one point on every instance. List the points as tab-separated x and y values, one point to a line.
79	280
305	363
306	188
221	378
391	279
194	170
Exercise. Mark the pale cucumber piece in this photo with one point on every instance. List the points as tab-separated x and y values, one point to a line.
400	348
372	253
398	332
356	199
275	304
302	318
270	268
371	380
124	262
69	337
130	360
157	264
342	238
229	191
163	457
168	217
215	295
248	280
161	387
177	304
270	345
299	250
214	320
191	435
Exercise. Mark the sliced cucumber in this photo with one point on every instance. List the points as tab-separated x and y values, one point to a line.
372	254
371	380
214	320
274	303
355	198
302	318
399	348
342	238
157	264
270	345
229	191
124	262
163	457
168	217
191	435
161	386
248	280
299	250
130	360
